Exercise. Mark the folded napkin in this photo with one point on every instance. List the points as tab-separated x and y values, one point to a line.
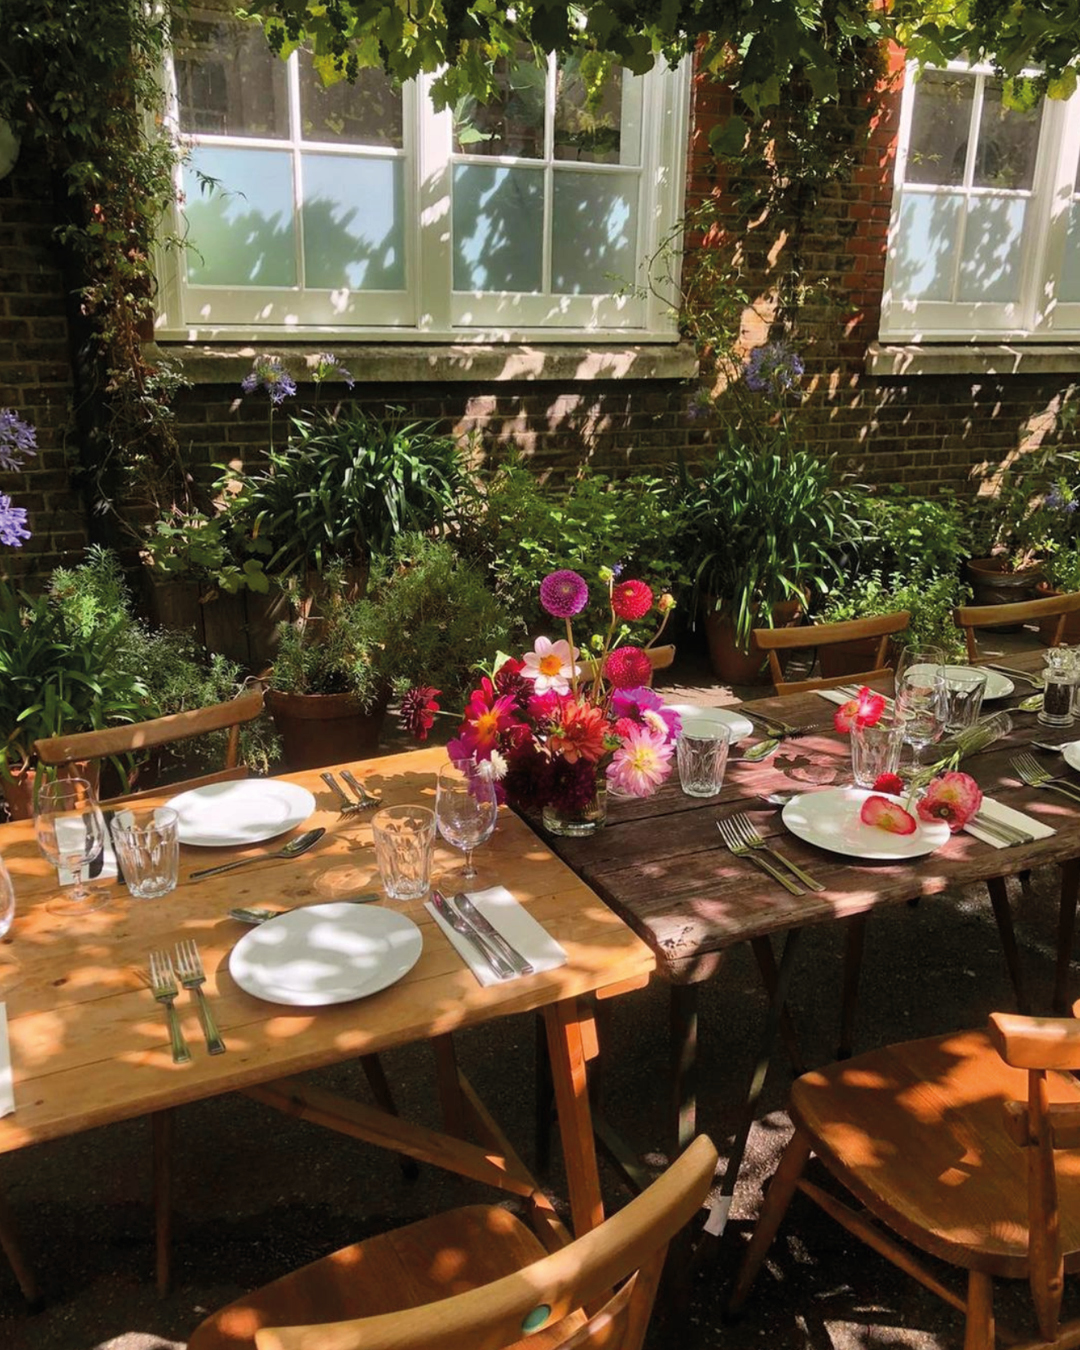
840	698
1007	816
107	871
516	925
7	1089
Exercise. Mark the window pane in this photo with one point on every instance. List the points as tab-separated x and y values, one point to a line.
513	122
365	113
990	267
498	228
228	81
353	223
243	235
925	243
1008	141
940	127
592	135
593	243
1069	286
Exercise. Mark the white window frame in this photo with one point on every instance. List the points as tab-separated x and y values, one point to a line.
429	309
1036	314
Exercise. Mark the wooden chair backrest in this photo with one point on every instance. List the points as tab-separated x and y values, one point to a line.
133	736
630	1246
881	626
808	686
659	659
970	617
1039	1044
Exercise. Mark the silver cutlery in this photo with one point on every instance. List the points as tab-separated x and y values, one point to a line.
1045	745
1001	830
256	914
292	849
498	964
191	974
347	805
163	987
754	754
1036	681
1031	772
1032	704
741	850
769	725
748	835
365	798
469	911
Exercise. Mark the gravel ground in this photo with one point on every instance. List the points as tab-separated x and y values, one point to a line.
259	1194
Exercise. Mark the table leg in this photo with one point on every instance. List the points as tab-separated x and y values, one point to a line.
161	1125
380	1090
854	944
999	899
1070	885
682	1068
19	1265
762	949
567	1051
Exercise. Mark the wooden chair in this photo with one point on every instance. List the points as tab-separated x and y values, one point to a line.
111	742
966	1146
970	617
476	1279
659	658
883	626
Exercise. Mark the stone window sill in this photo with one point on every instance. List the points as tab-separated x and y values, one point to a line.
1004	358
393	363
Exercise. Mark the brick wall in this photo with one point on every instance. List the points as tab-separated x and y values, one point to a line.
35	371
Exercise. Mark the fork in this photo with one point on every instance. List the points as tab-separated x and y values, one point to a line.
347	805
190	973
365	797
772	726
748	835
734	845
163	987
1031	772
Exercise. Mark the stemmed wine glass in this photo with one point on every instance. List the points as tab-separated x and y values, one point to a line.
7	900
70	832
920	697
466	807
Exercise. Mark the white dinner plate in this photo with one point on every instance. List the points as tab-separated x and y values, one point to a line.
324	954
1072	754
830	819
244	811
997	685
739	726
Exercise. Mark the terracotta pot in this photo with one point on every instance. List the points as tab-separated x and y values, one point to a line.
18	791
995	584
729	662
318	729
1070	635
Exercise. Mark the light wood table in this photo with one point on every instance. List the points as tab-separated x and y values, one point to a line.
90	1045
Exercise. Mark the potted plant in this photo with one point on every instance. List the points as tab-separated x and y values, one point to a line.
426	615
930	600
1012	530
1062	577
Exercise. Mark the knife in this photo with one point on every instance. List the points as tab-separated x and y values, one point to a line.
461	925
468	910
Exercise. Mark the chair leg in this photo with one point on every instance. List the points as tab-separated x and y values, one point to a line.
979	1331
19	1265
380	1090
999	899
854	943
545	1098
773	1209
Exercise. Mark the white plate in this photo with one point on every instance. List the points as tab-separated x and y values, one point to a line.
739	726
324	954
244	811
997	685
830	819
1072	754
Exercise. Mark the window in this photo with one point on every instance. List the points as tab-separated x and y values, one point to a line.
985	233
359	210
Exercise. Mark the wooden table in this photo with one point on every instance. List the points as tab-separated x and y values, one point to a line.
661	865
90	1046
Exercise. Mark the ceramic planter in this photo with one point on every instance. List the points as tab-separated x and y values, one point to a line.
731	663
994	583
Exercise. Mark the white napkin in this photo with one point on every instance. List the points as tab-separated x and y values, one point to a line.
516	925
73	830
7	1089
839	698
1007	816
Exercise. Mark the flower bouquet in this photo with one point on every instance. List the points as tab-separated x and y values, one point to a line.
561	729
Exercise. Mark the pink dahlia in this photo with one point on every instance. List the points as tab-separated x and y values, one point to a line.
864	711
641	763
953	798
564	594
627	668
631	600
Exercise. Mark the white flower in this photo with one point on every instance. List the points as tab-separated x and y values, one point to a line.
498	765
550	665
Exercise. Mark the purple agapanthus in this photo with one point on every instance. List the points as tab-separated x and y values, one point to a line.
13	528
773	369
699	405
328	367
17	438
269	374
1056	500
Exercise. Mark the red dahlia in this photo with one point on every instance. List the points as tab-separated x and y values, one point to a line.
627	668
418	709
631	600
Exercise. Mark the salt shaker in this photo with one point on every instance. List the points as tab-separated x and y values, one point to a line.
1060	682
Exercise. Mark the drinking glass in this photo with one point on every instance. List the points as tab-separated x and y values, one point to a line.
70	832
466	807
701	753
7	900
965	688
875	750
147	844
403	838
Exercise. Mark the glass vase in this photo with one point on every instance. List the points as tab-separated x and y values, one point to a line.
586	821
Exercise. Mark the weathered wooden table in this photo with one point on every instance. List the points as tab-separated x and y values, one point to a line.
90	1045
661	865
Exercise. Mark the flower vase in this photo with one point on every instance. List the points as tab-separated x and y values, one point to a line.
578	824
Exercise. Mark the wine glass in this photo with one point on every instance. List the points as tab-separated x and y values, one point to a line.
920	697
466	807
70	832
7	900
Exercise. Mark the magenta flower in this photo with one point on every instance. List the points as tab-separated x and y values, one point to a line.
564	594
641	763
